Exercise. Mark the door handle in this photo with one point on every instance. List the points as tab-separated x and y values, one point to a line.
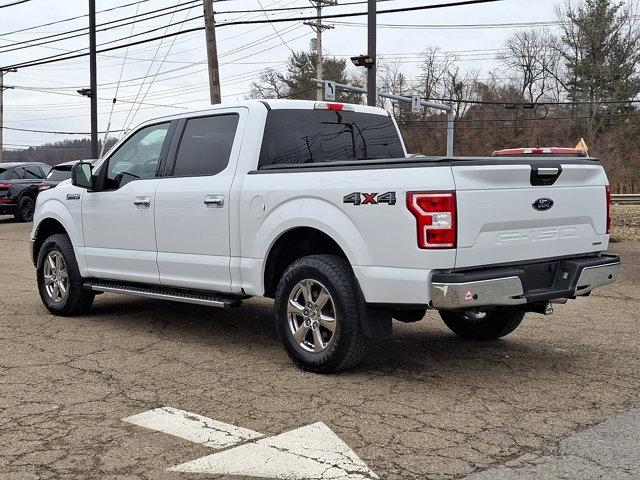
142	202
216	201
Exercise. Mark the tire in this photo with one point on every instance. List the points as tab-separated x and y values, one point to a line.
339	349
25	209
491	326
57	251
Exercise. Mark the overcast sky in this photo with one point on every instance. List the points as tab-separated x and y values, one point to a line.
177	78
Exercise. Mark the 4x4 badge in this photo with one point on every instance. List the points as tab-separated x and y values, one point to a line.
359	198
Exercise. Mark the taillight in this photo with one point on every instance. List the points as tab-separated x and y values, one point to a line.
435	214
5	186
608	194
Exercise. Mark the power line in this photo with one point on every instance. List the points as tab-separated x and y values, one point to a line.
52	131
274	28
34	89
52	38
58	58
64	20
115	95
136	18
456	26
155	75
284	9
532	104
14	3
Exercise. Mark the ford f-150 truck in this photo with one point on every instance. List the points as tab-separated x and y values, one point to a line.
318	206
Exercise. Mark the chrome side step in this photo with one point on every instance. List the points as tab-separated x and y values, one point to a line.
165	293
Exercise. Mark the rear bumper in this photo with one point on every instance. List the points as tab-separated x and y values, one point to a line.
7	208
522	284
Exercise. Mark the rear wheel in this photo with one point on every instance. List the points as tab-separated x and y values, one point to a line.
474	325
25	209
59	280
318	314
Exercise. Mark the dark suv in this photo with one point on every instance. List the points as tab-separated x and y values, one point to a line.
15	196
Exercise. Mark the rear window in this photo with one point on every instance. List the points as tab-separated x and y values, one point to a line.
206	145
32	172
316	136
58	174
4	173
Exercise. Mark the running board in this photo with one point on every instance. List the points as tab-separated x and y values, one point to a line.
166	293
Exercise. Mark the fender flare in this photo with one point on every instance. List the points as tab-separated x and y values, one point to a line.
313	213
54	209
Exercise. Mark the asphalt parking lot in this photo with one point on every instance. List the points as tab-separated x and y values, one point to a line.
558	398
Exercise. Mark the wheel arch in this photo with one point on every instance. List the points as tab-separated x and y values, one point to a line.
291	245
311	215
45	228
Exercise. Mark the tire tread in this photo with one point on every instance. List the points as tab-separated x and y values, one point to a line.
354	344
79	299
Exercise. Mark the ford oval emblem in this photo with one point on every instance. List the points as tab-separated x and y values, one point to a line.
542	204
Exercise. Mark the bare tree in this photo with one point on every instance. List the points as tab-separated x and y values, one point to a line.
533	58
458	87
269	85
392	80
433	72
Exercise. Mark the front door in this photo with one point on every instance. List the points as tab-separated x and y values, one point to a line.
193	204
118	218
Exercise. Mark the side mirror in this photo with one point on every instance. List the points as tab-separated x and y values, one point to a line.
81	175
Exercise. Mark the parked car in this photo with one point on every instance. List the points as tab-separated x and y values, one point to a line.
57	174
15	179
316	205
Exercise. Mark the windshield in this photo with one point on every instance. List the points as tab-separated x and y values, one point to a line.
60	173
314	136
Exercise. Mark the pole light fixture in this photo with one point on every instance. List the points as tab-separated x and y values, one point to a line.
363	61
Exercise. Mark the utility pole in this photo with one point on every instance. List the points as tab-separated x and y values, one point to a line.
212	52
2	89
371	46
93	87
319	27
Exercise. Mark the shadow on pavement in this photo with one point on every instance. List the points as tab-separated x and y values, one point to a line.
425	348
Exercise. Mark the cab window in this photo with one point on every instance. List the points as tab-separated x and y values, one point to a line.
137	158
206	145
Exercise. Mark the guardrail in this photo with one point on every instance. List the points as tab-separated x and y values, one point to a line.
626	198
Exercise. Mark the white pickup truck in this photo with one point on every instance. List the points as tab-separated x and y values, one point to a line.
318	206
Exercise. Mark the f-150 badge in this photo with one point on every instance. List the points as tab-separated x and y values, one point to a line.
359	198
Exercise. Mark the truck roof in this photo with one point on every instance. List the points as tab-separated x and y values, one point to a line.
269	104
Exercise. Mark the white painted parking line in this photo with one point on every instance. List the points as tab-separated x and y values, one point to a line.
309	453
193	427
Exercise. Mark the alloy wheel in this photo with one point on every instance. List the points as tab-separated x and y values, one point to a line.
311	315
56	277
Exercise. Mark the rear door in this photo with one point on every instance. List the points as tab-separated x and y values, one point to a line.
193	204
521	209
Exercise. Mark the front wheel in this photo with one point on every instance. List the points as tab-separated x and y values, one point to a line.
318	314
474	325
25	209
59	280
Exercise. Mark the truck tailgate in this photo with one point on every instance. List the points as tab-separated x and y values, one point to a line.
504	214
